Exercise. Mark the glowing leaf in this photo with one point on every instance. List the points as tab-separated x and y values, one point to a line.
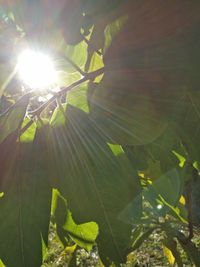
169	255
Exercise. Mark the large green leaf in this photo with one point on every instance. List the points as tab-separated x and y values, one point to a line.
146	77
147	27
97	184
25	205
123	112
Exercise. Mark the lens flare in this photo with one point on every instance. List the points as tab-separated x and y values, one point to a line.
36	69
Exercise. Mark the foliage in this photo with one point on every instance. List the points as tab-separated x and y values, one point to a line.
113	155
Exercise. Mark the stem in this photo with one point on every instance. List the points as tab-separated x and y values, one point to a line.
88	76
37	112
88	43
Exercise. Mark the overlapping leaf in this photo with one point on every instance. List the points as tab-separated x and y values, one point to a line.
96	184
25	205
11	121
84	235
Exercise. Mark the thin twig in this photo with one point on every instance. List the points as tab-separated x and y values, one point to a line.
37	112
88	43
88	76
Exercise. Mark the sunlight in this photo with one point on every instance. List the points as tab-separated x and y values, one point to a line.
36	69
159	206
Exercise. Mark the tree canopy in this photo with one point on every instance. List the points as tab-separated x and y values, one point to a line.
110	150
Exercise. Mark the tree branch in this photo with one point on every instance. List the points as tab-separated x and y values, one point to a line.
87	77
37	112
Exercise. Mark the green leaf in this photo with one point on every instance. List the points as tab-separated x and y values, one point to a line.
179	212
84	235
169	186
188	246
162	149
189	129
138	156
95	43
171	244
192	251
78	97
25	205
169	255
132	213
96	63
116	149
12	120
96	184
112	30
165	191
29	134
142	237
126	117
77	53
59	212
58	116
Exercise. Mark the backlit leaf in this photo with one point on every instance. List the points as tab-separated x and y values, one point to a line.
169	255
96	184
12	120
84	235
25	206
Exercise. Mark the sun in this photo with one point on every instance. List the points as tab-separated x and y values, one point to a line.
36	69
